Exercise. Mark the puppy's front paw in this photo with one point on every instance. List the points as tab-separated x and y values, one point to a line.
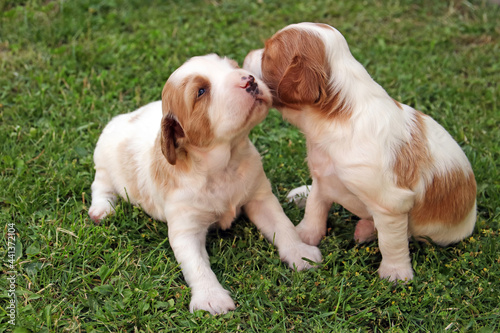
310	235
395	273
215	301
293	256
299	196
99	211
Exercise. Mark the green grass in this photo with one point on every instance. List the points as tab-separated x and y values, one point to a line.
67	67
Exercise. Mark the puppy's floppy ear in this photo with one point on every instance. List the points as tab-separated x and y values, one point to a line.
171	131
304	82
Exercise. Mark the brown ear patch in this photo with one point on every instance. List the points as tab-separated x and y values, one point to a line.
296	68
302	83
171	131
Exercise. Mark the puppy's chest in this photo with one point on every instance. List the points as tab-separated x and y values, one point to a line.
320	163
229	185
225	192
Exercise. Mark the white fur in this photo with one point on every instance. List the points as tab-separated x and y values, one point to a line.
351	162
223	179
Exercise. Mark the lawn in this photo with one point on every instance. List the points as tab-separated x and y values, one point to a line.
68	67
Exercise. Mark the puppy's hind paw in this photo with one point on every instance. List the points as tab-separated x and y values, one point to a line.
365	231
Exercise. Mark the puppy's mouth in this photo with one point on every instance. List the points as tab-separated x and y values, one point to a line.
261	103
261	98
259	107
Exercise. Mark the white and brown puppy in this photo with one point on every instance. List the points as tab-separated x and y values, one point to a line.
391	165
187	160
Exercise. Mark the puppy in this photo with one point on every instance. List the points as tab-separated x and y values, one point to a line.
389	164
187	160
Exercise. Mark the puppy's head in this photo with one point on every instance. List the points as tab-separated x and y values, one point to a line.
296	65
209	100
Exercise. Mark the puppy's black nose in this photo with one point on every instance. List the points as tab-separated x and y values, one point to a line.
250	85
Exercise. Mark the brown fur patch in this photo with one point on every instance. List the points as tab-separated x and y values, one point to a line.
295	67
303	82
448	199
398	104
336	107
412	156
190	109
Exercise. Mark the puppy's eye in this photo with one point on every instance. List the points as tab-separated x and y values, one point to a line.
201	91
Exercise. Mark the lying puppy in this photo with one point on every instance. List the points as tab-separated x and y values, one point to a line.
193	166
391	165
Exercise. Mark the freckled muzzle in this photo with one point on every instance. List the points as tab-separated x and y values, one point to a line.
251	87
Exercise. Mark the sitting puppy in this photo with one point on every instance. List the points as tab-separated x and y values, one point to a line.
391	165
193	166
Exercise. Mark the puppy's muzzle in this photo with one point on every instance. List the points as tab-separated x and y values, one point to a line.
251	87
